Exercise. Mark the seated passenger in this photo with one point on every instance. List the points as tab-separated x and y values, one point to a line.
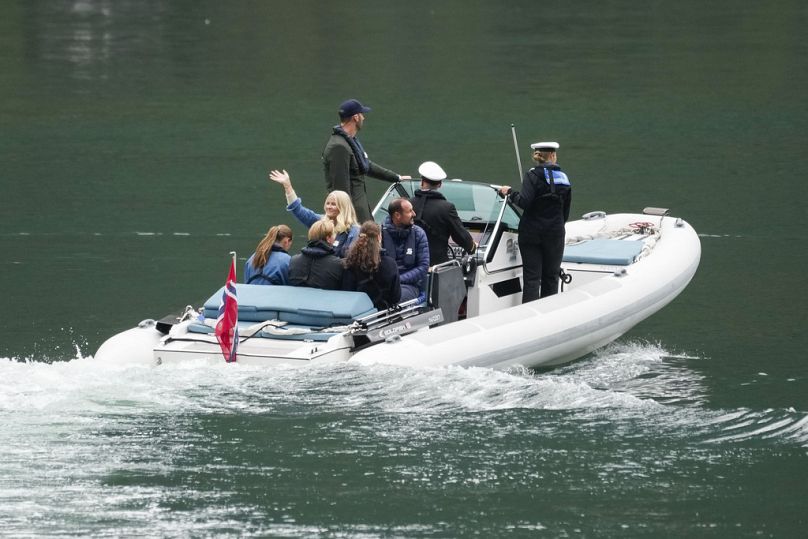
317	266
366	270
269	264
337	207
407	244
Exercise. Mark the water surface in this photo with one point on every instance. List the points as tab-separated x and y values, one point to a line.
134	147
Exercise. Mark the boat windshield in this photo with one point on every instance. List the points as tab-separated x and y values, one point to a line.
478	204
474	201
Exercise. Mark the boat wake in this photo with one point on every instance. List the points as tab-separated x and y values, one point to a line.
637	386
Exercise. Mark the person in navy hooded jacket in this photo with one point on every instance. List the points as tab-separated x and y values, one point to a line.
406	242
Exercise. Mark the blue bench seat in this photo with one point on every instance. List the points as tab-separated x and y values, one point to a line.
603	251
317	336
296	305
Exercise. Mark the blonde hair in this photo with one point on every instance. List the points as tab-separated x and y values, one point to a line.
542	156
273	236
346	217
321	230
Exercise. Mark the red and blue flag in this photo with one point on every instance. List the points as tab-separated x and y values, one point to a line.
227	321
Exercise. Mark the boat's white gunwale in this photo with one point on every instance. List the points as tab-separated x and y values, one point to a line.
614	322
661	297
541	333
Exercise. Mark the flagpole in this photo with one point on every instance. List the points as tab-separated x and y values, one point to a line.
516	148
227	321
234	344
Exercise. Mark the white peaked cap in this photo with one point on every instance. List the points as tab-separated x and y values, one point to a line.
544	145
431	171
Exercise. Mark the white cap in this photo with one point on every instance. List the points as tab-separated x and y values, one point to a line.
431	171
545	146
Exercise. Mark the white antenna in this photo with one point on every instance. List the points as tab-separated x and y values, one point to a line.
516	148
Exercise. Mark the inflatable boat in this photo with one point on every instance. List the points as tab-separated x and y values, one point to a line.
618	269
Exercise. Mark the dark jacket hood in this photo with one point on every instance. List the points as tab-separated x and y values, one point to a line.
317	249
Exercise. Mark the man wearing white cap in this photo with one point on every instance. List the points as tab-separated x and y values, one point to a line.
437	216
545	196
346	163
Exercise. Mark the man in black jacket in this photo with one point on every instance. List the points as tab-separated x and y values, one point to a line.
346	163
437	216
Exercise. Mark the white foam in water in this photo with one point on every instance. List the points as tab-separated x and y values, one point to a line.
629	379
70	426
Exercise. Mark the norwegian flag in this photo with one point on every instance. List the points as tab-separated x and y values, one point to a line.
227	321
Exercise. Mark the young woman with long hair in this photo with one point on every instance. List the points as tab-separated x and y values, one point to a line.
368	270
269	264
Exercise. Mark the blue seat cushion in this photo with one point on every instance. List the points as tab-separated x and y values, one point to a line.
606	252
294	304
199	327
316	336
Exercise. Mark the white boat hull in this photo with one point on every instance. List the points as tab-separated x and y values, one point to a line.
601	304
564	327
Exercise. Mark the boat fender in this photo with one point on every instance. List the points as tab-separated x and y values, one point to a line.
591	216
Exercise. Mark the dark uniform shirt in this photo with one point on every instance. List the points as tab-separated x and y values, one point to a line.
546	204
438	217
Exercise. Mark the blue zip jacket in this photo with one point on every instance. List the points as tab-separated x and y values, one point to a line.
308	218
410	249
275	271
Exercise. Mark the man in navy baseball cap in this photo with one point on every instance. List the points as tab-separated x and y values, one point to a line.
351	107
346	163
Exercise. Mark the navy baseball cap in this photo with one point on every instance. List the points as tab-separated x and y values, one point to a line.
351	107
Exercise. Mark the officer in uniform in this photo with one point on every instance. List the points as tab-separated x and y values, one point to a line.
437	216
545	197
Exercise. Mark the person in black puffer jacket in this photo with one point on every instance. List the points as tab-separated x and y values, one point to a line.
546	196
368	270
317	266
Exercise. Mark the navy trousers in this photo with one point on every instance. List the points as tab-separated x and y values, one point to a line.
541	264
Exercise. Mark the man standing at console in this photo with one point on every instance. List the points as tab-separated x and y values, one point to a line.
437	216
346	163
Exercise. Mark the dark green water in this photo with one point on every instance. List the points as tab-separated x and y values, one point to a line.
135	138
